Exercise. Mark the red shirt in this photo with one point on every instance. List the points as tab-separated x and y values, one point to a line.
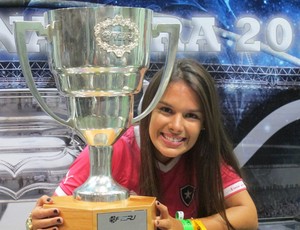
125	170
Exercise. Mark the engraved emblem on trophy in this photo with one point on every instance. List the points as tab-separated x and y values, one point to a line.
98	56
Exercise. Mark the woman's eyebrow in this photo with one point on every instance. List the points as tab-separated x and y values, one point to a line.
164	103
197	110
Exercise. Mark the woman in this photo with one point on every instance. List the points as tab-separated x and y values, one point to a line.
185	155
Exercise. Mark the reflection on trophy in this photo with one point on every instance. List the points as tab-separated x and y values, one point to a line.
99	56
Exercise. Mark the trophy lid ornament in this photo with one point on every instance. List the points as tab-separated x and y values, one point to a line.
126	32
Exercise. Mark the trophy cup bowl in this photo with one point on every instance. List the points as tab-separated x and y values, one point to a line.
98	56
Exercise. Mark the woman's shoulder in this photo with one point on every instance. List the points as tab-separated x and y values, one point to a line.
130	137
128	143
227	171
232	182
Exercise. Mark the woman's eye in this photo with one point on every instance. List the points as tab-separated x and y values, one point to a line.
192	115
165	110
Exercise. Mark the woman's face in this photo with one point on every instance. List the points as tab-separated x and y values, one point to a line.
176	121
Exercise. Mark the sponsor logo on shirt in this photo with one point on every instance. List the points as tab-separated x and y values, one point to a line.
67	177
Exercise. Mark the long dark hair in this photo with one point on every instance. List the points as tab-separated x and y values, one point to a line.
212	148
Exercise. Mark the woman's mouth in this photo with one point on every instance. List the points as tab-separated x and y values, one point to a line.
172	140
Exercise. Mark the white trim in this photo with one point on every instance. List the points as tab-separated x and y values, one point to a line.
166	168
234	188
136	130
145	86
60	192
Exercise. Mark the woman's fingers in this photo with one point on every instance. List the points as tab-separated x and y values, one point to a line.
44	200
163	220
48	223
45	218
163	210
41	213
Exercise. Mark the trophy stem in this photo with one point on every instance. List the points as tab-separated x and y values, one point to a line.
100	186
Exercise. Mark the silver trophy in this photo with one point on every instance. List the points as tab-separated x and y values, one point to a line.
99	56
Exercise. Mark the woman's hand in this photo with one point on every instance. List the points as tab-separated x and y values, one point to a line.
164	221
45	218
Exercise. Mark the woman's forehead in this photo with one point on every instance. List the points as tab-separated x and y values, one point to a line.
179	92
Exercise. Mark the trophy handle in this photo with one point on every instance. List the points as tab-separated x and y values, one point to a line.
20	29
173	30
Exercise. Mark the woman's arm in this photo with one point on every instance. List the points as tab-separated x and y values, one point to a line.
241	213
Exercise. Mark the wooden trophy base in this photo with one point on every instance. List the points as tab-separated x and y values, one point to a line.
137	212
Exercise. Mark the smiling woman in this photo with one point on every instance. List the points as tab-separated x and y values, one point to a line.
183	152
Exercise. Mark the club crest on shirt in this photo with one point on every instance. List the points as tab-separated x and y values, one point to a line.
187	193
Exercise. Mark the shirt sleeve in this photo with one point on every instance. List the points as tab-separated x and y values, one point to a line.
232	182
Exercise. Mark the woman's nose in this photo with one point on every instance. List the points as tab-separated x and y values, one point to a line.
176	123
